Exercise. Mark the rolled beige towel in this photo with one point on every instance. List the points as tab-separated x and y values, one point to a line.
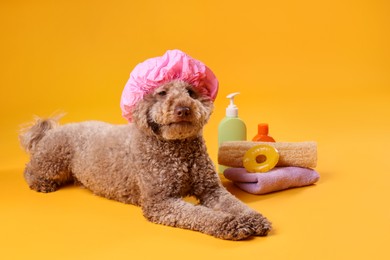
299	154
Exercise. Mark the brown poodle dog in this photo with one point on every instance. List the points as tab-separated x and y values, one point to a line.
153	163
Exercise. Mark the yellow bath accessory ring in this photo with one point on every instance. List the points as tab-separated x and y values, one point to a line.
261	158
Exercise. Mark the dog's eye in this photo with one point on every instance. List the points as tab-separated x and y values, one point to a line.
162	93
191	93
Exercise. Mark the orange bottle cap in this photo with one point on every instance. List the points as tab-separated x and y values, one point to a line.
262	129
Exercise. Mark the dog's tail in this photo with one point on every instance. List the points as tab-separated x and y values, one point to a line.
31	134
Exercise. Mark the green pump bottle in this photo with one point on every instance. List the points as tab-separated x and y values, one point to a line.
231	128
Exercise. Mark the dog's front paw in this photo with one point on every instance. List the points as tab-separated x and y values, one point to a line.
259	224
234	228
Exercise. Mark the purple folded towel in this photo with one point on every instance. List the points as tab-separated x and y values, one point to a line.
279	178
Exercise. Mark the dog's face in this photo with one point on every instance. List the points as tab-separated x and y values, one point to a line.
173	111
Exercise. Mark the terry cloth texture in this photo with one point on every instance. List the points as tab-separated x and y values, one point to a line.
279	178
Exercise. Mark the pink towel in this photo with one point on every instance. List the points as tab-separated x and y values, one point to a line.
279	178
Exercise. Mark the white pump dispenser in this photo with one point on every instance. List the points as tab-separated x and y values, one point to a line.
232	109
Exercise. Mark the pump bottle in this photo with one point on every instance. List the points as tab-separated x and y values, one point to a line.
231	128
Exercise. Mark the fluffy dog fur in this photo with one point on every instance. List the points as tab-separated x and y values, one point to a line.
153	163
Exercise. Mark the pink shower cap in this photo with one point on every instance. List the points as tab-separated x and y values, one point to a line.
173	65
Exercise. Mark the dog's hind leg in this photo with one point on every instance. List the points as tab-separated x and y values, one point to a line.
50	152
42	181
49	168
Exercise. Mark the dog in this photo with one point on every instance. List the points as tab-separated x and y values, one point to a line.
153	162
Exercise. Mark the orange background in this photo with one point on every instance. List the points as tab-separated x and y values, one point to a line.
313	70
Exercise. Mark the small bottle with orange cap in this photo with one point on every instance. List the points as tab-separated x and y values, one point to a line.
262	134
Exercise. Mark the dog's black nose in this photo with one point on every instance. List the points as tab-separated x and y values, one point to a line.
182	111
